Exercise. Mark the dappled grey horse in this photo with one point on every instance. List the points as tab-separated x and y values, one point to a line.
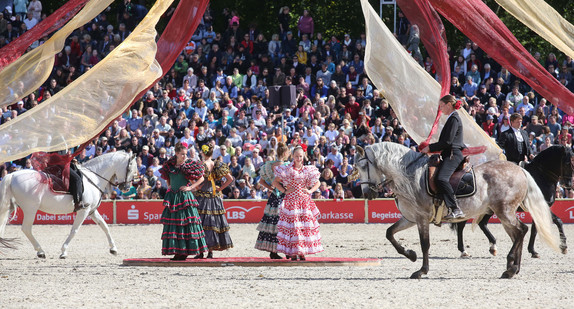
501	187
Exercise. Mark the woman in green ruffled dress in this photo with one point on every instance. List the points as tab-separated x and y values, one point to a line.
183	234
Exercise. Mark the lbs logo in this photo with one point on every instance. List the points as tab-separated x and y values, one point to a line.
570	212
238	212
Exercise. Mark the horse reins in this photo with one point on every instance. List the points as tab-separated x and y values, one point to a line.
373	186
107	180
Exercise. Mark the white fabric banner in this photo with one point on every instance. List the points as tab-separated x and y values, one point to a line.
410	90
84	108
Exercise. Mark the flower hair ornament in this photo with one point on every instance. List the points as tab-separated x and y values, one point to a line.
458	104
205	149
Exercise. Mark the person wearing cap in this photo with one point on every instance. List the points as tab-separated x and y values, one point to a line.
489	125
20	108
483	94
278	77
347	41
514	141
534	126
289	45
450	145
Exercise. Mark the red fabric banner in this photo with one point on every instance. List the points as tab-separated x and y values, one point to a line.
477	21
56	20
432	33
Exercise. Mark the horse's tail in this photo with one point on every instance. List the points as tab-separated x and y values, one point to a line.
536	205
6	204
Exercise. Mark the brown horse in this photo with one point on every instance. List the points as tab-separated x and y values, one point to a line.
501	187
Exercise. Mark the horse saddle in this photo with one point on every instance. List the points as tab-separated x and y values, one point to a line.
462	180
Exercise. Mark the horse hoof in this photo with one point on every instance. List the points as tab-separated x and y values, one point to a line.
114	251
507	275
535	255
41	255
464	255
416	275
493	251
564	249
411	255
63	257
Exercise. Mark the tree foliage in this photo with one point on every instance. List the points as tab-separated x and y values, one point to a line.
337	17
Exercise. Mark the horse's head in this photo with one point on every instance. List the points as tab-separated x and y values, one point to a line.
127	175
371	179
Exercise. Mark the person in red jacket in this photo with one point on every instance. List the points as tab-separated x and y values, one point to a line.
352	107
489	125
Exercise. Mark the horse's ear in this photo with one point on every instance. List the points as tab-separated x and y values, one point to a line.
360	151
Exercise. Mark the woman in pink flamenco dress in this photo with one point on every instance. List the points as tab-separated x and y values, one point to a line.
298	228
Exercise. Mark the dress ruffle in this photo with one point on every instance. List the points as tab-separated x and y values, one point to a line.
182	232
214	223
191	170
175	200
267	238
298	228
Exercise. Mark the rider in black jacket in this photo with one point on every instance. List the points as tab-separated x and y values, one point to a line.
450	145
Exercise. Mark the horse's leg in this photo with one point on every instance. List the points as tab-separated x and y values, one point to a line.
559	224
400	225
484	228
516	230
459	233
27	222
531	250
425	245
518	259
104	226
80	217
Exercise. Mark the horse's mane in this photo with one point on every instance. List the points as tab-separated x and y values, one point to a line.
102	160
401	165
552	159
550	153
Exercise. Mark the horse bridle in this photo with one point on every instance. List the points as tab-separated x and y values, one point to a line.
372	186
117	184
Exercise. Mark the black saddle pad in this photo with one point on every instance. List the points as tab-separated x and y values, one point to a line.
466	186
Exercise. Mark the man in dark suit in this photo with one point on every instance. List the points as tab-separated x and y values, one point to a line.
514	141
450	145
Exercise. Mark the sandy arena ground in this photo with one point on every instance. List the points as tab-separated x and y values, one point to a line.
91	277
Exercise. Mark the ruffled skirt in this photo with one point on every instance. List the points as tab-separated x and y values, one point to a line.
267	238
214	223
298	228
182	230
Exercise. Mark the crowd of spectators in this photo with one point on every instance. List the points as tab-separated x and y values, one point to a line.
218	92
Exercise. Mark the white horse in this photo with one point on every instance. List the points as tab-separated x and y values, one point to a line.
501	186
25	189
